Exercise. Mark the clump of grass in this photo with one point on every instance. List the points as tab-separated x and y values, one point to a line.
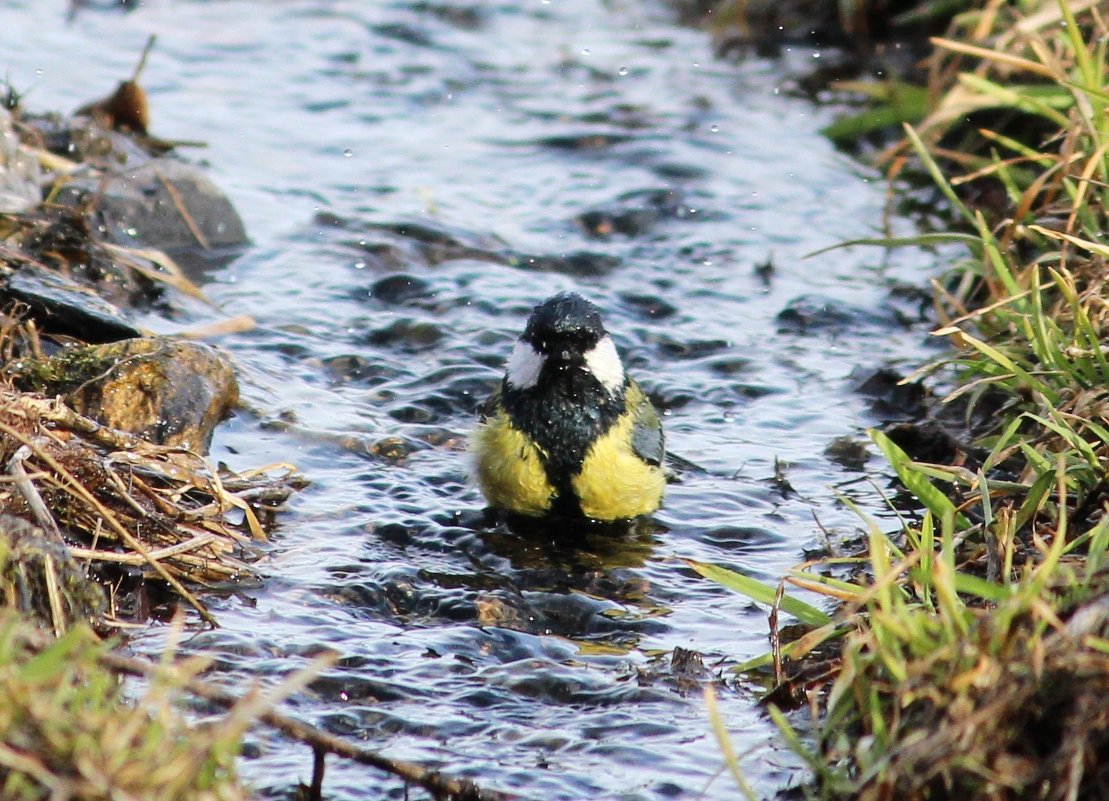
954	687
975	654
67	732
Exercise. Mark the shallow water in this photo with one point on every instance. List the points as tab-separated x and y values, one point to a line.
415	176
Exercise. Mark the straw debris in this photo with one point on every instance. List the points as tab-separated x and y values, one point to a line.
121	503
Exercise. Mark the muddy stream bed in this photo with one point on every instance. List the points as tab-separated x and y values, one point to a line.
415	177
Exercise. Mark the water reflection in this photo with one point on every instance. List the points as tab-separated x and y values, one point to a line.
571	544
572	579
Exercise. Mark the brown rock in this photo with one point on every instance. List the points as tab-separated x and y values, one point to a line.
166	391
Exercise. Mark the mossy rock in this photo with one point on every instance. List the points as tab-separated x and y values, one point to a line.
33	567
167	391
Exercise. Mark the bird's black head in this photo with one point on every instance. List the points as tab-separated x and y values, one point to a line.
565	343
564	326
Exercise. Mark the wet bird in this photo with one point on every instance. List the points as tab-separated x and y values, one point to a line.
568	432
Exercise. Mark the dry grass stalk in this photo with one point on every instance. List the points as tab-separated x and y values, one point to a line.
117	499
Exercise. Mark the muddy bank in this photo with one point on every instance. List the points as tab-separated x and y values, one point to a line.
111	514
106	441
973	632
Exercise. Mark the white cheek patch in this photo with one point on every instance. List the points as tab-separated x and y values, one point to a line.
604	363
524	366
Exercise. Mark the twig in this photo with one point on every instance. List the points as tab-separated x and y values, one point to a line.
775	636
319	759
27	489
231	325
125	495
171	274
136	559
54	596
55	411
163	506
142	59
179	204
48	525
440	786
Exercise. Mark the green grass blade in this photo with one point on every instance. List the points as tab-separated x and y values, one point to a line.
921	240
1098	549
937	174
969	584
1090	72
828	581
1008	364
789	734
51	662
759	592
924	490
1044	104
1034	501
1070	435
1002	443
725	744
1065	283
804	644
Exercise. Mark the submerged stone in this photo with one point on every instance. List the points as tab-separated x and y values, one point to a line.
632	214
927	442
649	307
409	336
166	391
809	314
399	289
848	452
890	397
581	263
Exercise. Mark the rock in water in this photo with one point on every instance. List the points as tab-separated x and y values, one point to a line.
61	305
166	391
164	203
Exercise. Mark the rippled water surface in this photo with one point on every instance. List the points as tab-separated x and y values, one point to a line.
415	176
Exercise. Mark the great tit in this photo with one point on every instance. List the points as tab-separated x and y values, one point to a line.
568	432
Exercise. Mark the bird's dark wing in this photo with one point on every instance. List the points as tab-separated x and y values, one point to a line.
648	441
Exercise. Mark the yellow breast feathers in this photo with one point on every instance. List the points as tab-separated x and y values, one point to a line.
620	477
509	467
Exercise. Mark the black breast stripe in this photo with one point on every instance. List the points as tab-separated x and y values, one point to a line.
564	413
